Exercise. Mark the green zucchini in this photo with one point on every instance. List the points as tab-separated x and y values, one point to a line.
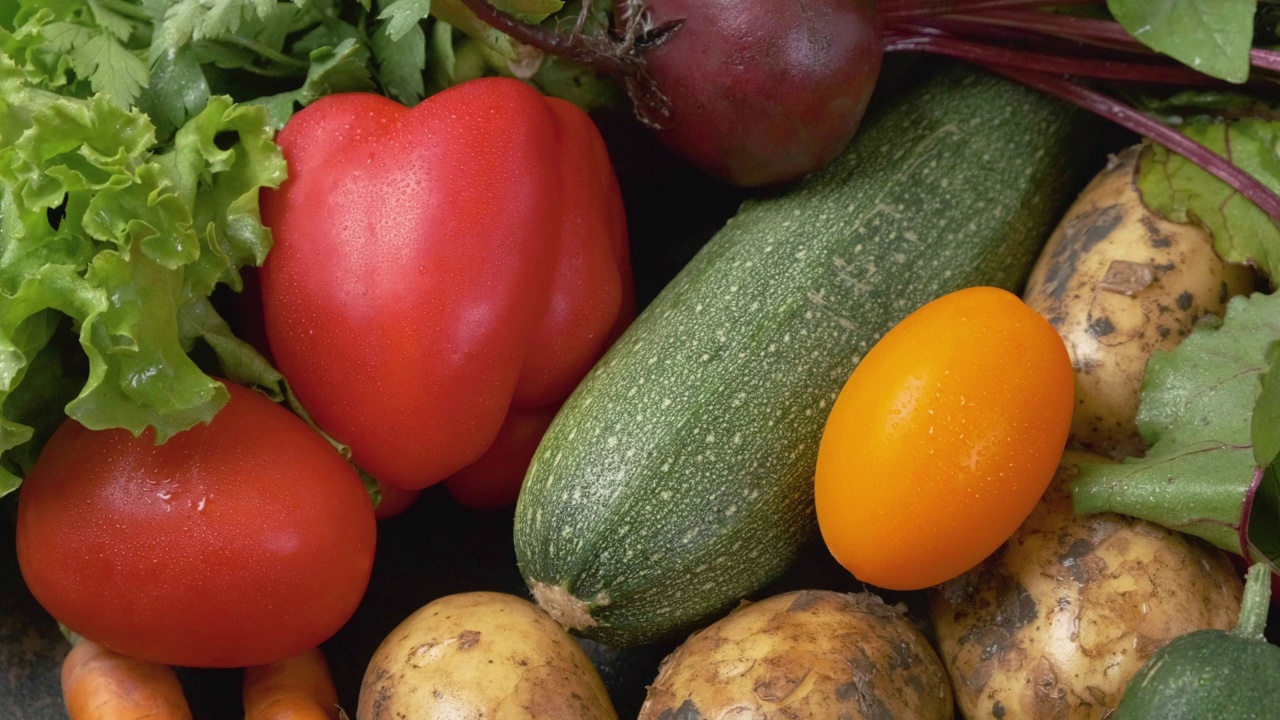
678	477
1211	674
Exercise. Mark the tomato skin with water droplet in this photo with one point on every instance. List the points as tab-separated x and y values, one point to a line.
943	439
236	543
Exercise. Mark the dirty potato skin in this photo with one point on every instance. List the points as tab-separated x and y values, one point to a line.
806	655
1054	624
1117	281
481	655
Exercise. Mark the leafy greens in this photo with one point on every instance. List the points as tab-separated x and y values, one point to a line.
126	242
1205	411
1182	191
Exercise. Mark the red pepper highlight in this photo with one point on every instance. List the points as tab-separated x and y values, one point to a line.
436	267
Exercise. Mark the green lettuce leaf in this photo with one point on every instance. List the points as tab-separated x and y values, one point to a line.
104	235
1202	474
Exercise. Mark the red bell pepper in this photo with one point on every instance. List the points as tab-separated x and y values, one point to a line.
440	268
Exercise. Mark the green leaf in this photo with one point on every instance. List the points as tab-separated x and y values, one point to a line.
576	83
178	91
443	59
1197	412
179	24
33	410
456	14
1266	412
144	215
238	360
139	373
35	46
1181	191
188	20
344	68
329	35
1212	36
111	68
63	37
403	15
272	28
111	242
1264	524
243	364
113	22
401	63
224	186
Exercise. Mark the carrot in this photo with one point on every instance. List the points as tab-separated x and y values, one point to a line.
298	688
99	684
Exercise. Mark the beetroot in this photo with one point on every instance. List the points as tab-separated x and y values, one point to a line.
759	91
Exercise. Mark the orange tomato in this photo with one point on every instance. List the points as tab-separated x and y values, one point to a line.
943	439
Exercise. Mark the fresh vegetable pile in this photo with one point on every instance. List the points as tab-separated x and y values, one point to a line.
354	348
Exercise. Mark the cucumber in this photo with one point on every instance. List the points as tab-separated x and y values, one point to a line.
678	477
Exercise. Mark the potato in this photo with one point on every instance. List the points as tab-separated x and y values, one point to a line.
1117	282
481	655
806	654
1054	624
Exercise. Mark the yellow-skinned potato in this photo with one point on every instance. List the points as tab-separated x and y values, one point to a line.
1054	624
481	655
806	655
1117	281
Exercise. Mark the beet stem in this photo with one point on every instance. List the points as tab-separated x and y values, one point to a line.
979	28
1265	59
1056	64
1128	117
913	9
1247	511
1105	33
1051	24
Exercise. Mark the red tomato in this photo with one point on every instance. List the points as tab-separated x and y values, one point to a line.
236	543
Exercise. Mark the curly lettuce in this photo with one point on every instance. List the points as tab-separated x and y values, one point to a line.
120	242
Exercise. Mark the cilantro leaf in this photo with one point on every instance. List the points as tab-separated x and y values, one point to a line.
1197	410
110	68
178	90
1212	36
401	63
1181	191
188	20
403	15
111	21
